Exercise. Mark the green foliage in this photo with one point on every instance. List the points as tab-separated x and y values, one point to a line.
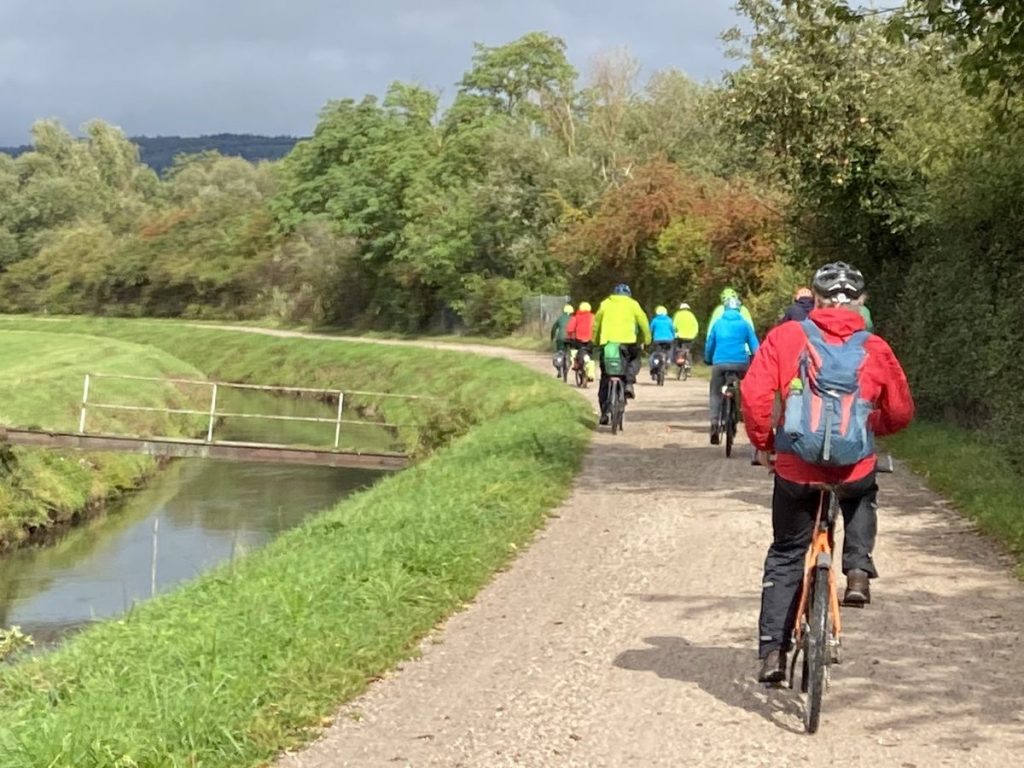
390	216
891	164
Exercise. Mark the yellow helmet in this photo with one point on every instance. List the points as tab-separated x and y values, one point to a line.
584	306
660	310
567	309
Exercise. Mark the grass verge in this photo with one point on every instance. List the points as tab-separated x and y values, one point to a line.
242	662
973	474
40	386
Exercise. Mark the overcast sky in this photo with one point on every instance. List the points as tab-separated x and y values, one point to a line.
190	67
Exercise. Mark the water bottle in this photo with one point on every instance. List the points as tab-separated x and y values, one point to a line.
792	423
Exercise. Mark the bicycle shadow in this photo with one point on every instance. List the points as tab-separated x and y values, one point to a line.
724	672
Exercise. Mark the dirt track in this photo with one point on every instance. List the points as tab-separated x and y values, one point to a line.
625	634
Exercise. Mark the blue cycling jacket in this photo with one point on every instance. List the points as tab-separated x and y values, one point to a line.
729	340
662	328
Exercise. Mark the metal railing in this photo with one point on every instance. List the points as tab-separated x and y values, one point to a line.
213	414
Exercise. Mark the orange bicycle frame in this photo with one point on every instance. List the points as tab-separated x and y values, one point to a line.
821	544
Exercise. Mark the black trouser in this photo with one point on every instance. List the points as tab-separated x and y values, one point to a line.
718	373
665	347
684	345
631	357
794	507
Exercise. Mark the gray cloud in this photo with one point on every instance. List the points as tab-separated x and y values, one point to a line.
268	66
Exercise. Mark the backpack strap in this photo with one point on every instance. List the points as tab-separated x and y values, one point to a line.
812	331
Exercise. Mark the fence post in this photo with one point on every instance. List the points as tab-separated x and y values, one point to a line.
85	400
337	426
213	414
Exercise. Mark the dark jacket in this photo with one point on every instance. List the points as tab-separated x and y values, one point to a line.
798	310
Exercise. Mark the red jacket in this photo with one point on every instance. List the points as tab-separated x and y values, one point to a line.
581	327
882	382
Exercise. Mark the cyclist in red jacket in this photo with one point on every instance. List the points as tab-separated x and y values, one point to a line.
580	333
838	289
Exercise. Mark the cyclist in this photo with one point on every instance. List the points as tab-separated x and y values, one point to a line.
617	321
726	352
663	331
559	327
838	289
724	296
687	328
803	303
580	333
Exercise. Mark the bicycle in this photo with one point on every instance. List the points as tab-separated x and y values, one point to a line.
728	411
580	361
561	363
616	402
659	362
683	362
614	367
817	630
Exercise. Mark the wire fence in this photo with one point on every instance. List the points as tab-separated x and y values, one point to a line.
540	313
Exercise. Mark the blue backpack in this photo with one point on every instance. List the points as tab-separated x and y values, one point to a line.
826	419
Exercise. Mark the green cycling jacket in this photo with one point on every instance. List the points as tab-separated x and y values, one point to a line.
618	319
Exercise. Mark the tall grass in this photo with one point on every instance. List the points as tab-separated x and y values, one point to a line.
245	660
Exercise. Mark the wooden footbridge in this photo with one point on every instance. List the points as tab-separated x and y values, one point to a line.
209	446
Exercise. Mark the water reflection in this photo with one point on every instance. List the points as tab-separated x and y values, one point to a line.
206	510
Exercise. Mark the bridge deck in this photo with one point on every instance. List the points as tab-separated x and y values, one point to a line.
199	449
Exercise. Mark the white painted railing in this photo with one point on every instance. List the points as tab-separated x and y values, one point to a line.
214	414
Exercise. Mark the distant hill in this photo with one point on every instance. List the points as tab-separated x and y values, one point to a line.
158	152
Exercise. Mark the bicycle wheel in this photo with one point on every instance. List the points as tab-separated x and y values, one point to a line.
565	370
817	657
661	376
618	404
581	378
727	425
679	373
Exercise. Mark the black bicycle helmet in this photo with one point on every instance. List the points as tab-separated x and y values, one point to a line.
839	281
621	290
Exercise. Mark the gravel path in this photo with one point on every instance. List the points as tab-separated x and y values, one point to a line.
625	634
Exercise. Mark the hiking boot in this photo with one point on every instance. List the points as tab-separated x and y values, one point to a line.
715	437
630	394
605	420
773	668
858	588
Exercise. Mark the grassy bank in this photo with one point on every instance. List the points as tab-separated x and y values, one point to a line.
972	473
41	386
238	664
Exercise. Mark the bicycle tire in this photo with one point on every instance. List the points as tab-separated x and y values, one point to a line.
817	654
730	433
617	406
565	371
661	376
581	378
